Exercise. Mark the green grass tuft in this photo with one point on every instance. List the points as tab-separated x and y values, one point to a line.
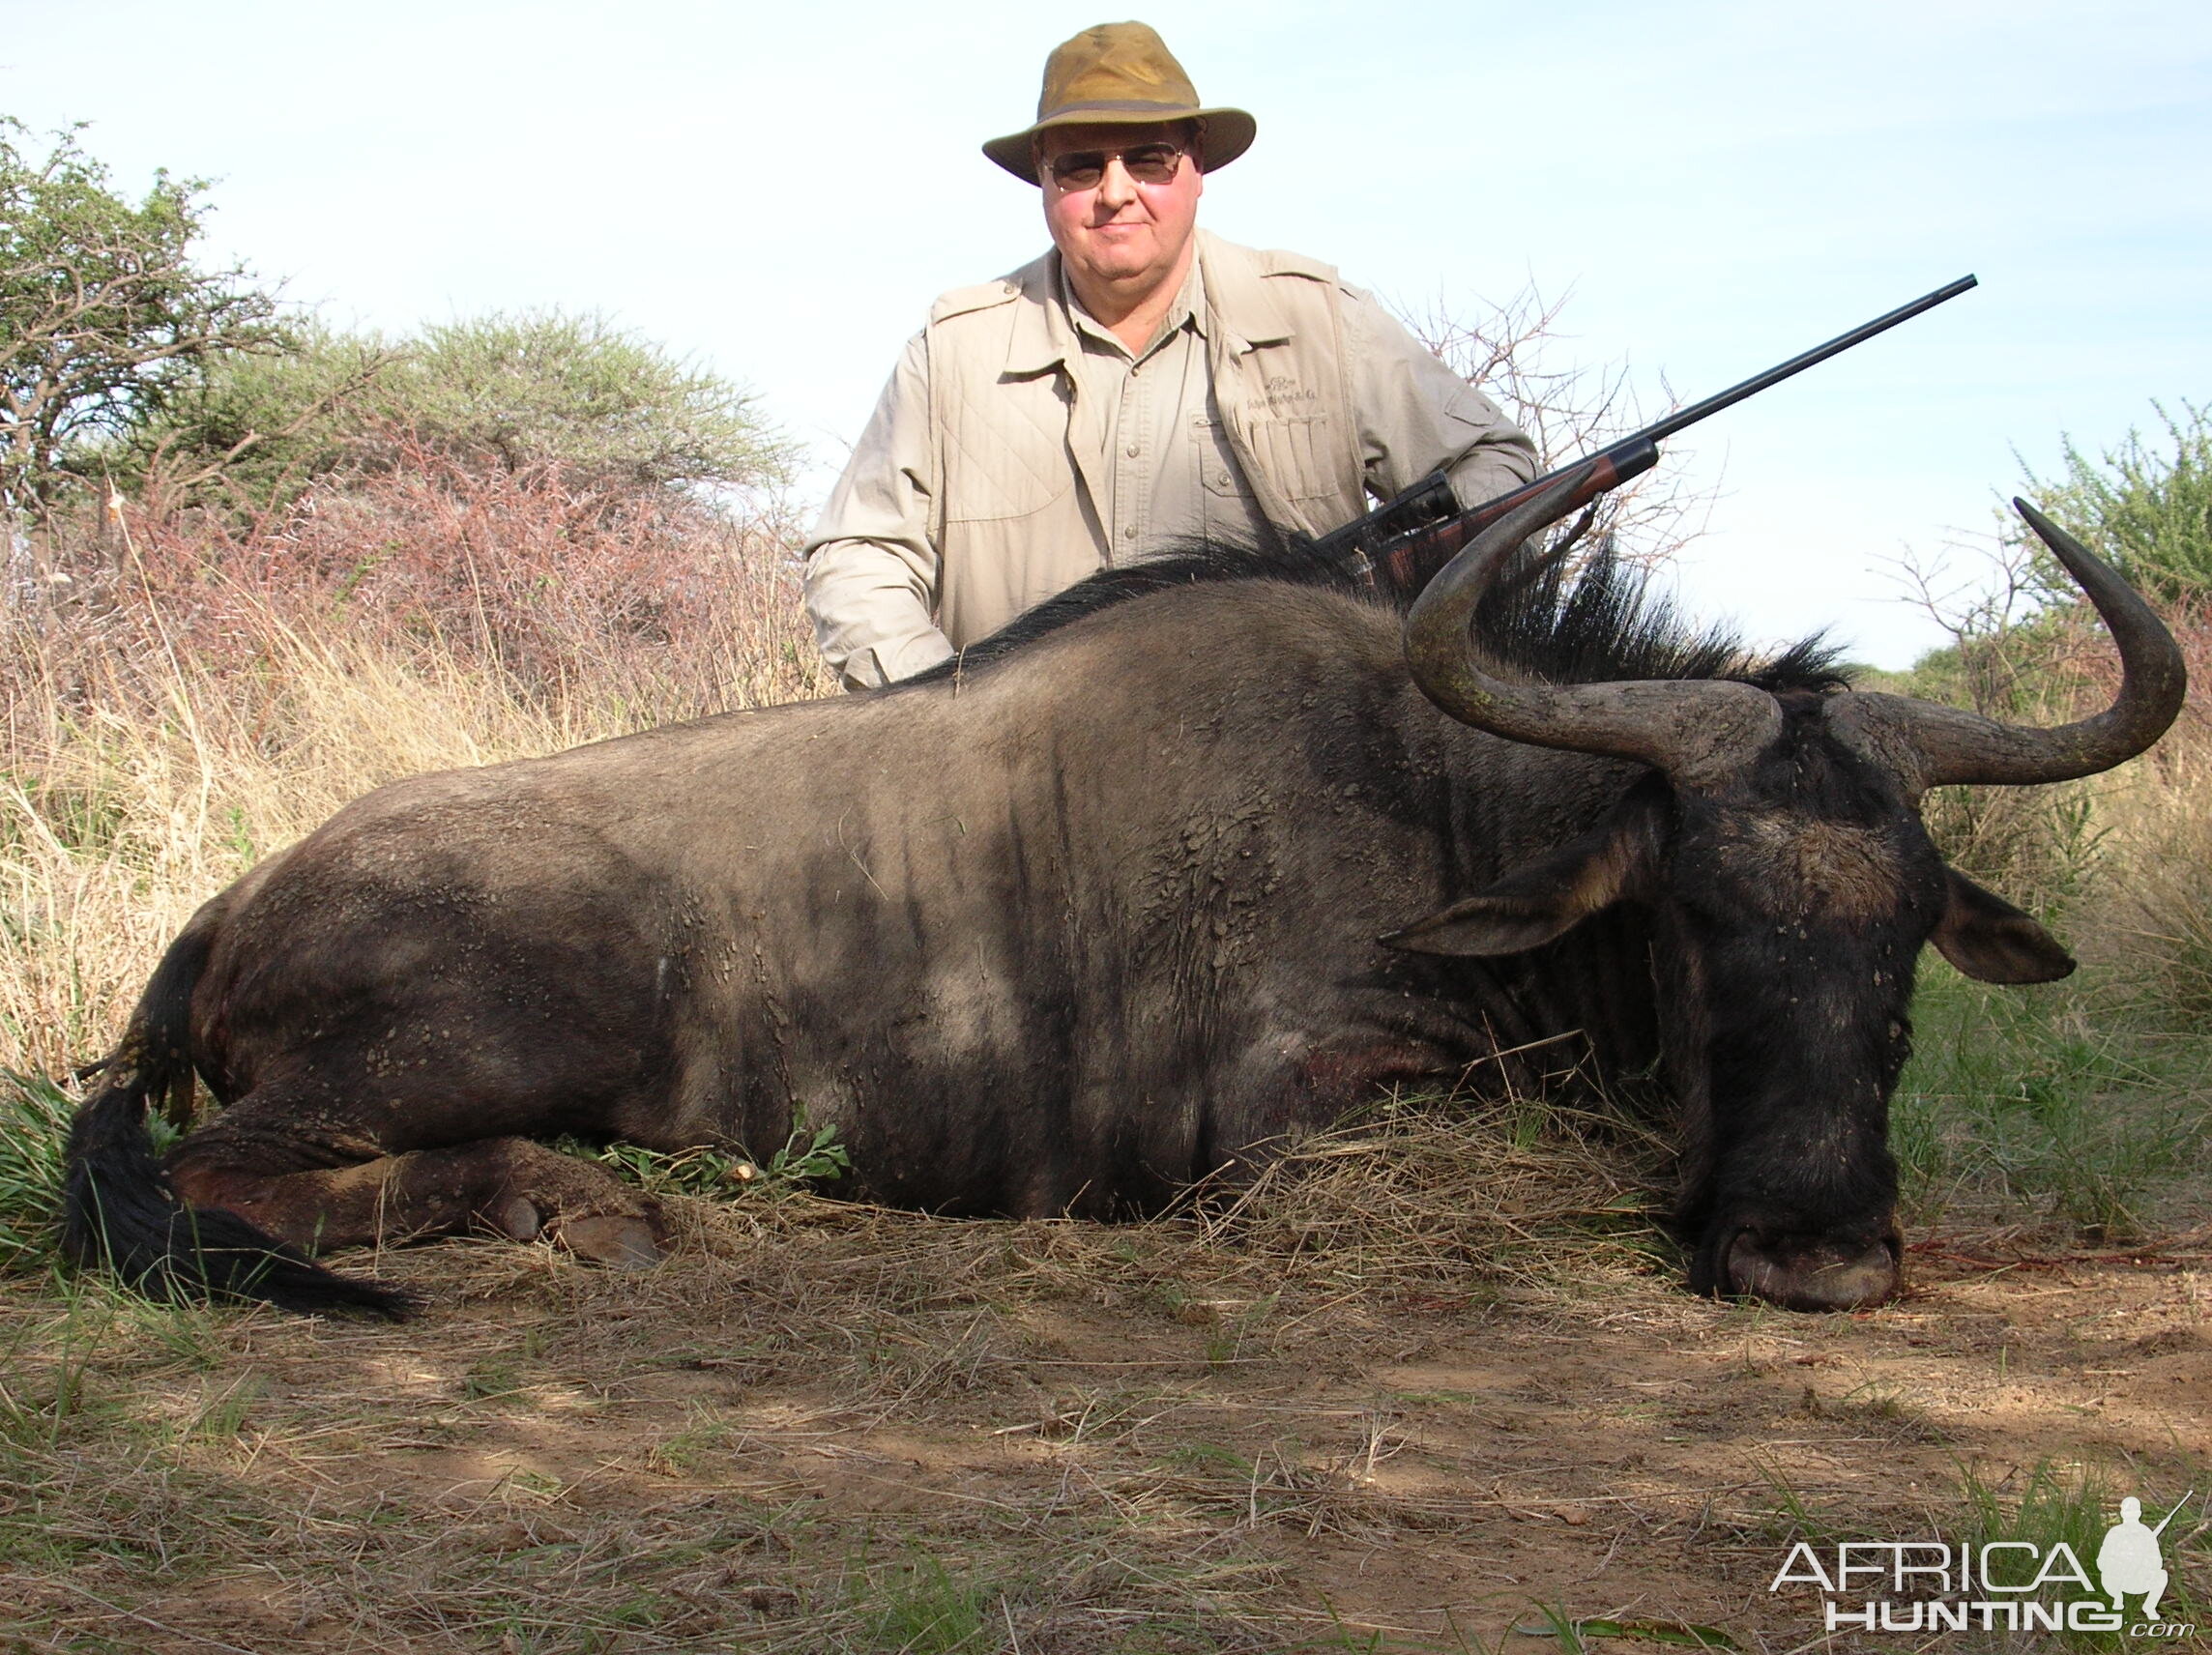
34	1126
920	1607
35	1115
2033	1097
812	1155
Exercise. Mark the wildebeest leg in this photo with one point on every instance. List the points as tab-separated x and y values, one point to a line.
337	1190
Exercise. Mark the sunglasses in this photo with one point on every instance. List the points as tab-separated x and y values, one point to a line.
1146	164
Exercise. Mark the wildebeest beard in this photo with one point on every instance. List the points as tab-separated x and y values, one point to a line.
1198	857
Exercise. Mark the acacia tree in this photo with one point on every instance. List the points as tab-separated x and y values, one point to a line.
519	392
2145	507
104	318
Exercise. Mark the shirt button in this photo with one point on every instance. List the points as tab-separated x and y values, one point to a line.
1131	533
1131	450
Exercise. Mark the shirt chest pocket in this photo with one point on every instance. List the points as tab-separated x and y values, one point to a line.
1218	472
1228	509
1007	455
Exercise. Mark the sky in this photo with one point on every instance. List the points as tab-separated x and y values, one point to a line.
777	191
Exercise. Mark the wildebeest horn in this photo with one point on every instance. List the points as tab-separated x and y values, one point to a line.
1954	745
1694	730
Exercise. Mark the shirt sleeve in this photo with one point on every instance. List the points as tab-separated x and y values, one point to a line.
1416	415
872	561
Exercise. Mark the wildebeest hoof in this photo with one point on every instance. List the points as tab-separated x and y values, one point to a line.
518	1219
1815	1275
620	1244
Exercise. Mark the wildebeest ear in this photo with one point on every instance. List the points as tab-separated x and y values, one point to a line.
1993	942
1546	898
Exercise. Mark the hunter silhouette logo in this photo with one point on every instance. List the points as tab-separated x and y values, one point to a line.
2129	1560
1992	1585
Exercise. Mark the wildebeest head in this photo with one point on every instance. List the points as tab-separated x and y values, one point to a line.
1779	850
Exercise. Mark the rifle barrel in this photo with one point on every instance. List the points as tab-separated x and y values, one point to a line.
1758	382
1410	536
2172	1515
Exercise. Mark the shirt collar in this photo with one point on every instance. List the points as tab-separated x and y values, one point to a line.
1240	308
1188	311
1050	326
1041	337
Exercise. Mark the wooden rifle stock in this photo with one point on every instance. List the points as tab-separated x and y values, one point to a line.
1404	562
1402	542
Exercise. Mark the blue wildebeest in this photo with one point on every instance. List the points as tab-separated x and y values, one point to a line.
1196	857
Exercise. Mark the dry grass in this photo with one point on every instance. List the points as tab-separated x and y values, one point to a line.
1424	1195
2117	857
180	706
2154	925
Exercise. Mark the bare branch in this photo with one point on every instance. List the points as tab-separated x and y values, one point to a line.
1513	352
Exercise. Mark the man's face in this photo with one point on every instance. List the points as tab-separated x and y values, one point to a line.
1120	232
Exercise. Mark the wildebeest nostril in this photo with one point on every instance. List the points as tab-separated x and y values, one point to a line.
1810	1275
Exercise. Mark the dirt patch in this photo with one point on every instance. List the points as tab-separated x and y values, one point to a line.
823	1427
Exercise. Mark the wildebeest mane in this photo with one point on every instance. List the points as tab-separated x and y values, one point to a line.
1563	618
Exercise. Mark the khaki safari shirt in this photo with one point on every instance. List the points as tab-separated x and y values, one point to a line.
1020	446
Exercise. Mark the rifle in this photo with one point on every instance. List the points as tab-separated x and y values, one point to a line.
1408	538
2172	1515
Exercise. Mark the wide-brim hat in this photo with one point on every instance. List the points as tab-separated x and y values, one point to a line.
1120	75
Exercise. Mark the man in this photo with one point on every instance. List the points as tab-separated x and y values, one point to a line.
1141	382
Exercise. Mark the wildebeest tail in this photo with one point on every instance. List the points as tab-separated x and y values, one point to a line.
117	1208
